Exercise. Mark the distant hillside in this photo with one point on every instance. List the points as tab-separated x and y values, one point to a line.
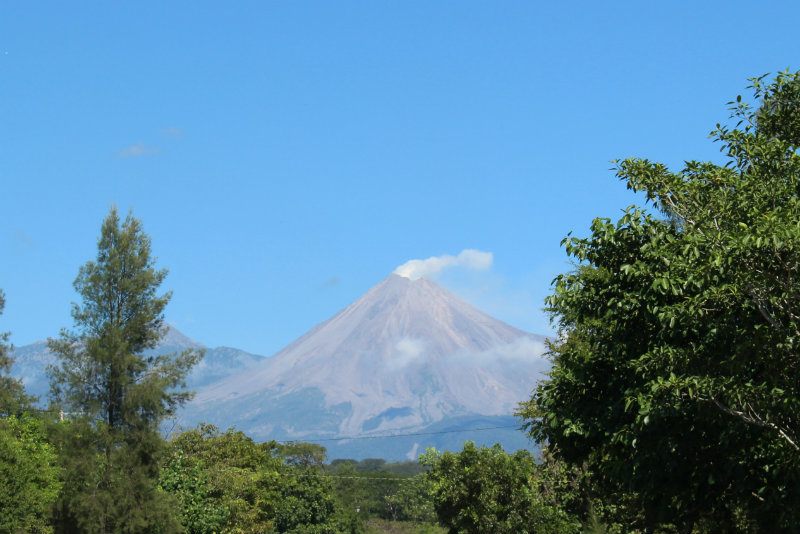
448	434
31	362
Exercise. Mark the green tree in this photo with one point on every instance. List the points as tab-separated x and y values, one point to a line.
361	487
305	502
301	454
484	489
12	393
29	476
228	483
675	374
116	393
412	500
372	488
234	477
187	479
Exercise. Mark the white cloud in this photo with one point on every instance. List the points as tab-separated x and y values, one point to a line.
430	267
525	351
406	351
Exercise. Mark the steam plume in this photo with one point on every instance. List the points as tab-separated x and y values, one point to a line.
430	267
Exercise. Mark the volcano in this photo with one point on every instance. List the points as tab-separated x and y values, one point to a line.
405	357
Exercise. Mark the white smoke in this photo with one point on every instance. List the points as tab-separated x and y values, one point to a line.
468	258
406	352
412	454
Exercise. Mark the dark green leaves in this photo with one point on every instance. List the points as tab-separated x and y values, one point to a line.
676	377
117	394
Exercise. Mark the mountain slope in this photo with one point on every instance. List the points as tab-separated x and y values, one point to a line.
406	355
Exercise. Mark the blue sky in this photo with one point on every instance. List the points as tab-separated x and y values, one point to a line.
286	156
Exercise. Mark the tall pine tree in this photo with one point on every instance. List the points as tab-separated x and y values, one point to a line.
12	394
115	390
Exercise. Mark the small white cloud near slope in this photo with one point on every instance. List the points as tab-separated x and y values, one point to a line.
468	259
406	352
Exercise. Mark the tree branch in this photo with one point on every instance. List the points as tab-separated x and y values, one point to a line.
752	417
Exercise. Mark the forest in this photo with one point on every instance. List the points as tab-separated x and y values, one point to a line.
671	406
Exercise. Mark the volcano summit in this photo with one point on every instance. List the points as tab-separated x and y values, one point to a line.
407	357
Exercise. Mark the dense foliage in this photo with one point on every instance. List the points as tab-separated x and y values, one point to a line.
367	487
12	394
482	489
676	376
29	476
411	501
225	482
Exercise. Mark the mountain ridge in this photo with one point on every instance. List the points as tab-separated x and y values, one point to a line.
31	361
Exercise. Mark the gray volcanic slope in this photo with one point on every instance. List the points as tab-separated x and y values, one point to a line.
406	356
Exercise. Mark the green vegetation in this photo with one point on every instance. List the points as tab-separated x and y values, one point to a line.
384	526
675	376
29	476
225	482
12	395
369	486
118	395
411	501
483	489
672	405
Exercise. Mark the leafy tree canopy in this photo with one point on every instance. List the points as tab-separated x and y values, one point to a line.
412	500
676	374
301	454
29	476
482	489
226	482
